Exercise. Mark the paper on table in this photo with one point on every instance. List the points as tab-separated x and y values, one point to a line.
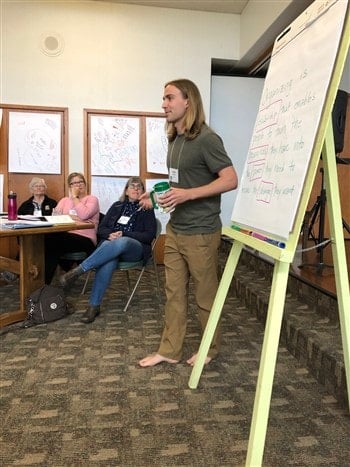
60	219
29	217
24	224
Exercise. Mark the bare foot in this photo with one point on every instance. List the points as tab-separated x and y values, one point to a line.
191	361
154	359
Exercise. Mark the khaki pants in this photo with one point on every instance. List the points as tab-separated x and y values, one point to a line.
185	256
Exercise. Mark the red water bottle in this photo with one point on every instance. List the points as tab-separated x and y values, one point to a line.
12	206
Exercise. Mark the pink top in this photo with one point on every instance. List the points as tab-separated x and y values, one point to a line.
88	210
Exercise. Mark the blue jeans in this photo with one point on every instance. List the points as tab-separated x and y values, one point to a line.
105	260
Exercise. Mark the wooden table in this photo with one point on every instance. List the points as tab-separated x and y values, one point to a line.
31	264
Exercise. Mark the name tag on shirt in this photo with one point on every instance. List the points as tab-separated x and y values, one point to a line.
174	175
123	220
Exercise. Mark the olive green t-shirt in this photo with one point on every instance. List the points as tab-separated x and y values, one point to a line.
197	161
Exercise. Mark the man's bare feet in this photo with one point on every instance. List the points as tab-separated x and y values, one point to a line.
191	361
154	359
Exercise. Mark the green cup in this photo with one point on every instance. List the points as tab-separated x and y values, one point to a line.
156	194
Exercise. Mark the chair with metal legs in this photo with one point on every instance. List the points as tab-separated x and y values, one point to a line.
139	266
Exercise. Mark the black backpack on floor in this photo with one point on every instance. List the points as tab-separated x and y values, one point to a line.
46	304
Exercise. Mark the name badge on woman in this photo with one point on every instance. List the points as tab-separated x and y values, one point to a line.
123	220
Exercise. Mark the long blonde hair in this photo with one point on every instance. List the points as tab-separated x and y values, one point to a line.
195	116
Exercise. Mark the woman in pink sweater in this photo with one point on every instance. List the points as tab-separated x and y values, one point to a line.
81	207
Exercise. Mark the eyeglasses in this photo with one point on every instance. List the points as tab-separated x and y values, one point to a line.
39	186
81	182
135	186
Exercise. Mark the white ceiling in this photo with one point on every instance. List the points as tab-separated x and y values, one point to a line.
216	6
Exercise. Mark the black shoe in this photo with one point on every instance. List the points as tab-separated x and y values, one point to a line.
90	314
71	276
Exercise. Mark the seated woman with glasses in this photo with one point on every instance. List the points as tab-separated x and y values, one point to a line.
39	204
82	207
126	233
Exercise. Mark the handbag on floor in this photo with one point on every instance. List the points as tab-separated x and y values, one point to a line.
46	304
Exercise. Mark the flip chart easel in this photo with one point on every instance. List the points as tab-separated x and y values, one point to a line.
322	143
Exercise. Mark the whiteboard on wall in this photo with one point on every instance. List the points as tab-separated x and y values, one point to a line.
34	142
108	190
233	108
288	118
115	145
156	145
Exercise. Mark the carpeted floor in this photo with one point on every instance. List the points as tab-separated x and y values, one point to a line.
73	395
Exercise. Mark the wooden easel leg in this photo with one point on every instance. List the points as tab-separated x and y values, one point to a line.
338	247
267	365
215	313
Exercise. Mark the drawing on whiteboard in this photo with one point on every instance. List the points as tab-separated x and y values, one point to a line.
115	145
287	123
108	190
34	142
156	145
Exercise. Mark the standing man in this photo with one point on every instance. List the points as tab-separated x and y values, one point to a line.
199	171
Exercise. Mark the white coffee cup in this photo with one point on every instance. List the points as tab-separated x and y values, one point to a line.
156	194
